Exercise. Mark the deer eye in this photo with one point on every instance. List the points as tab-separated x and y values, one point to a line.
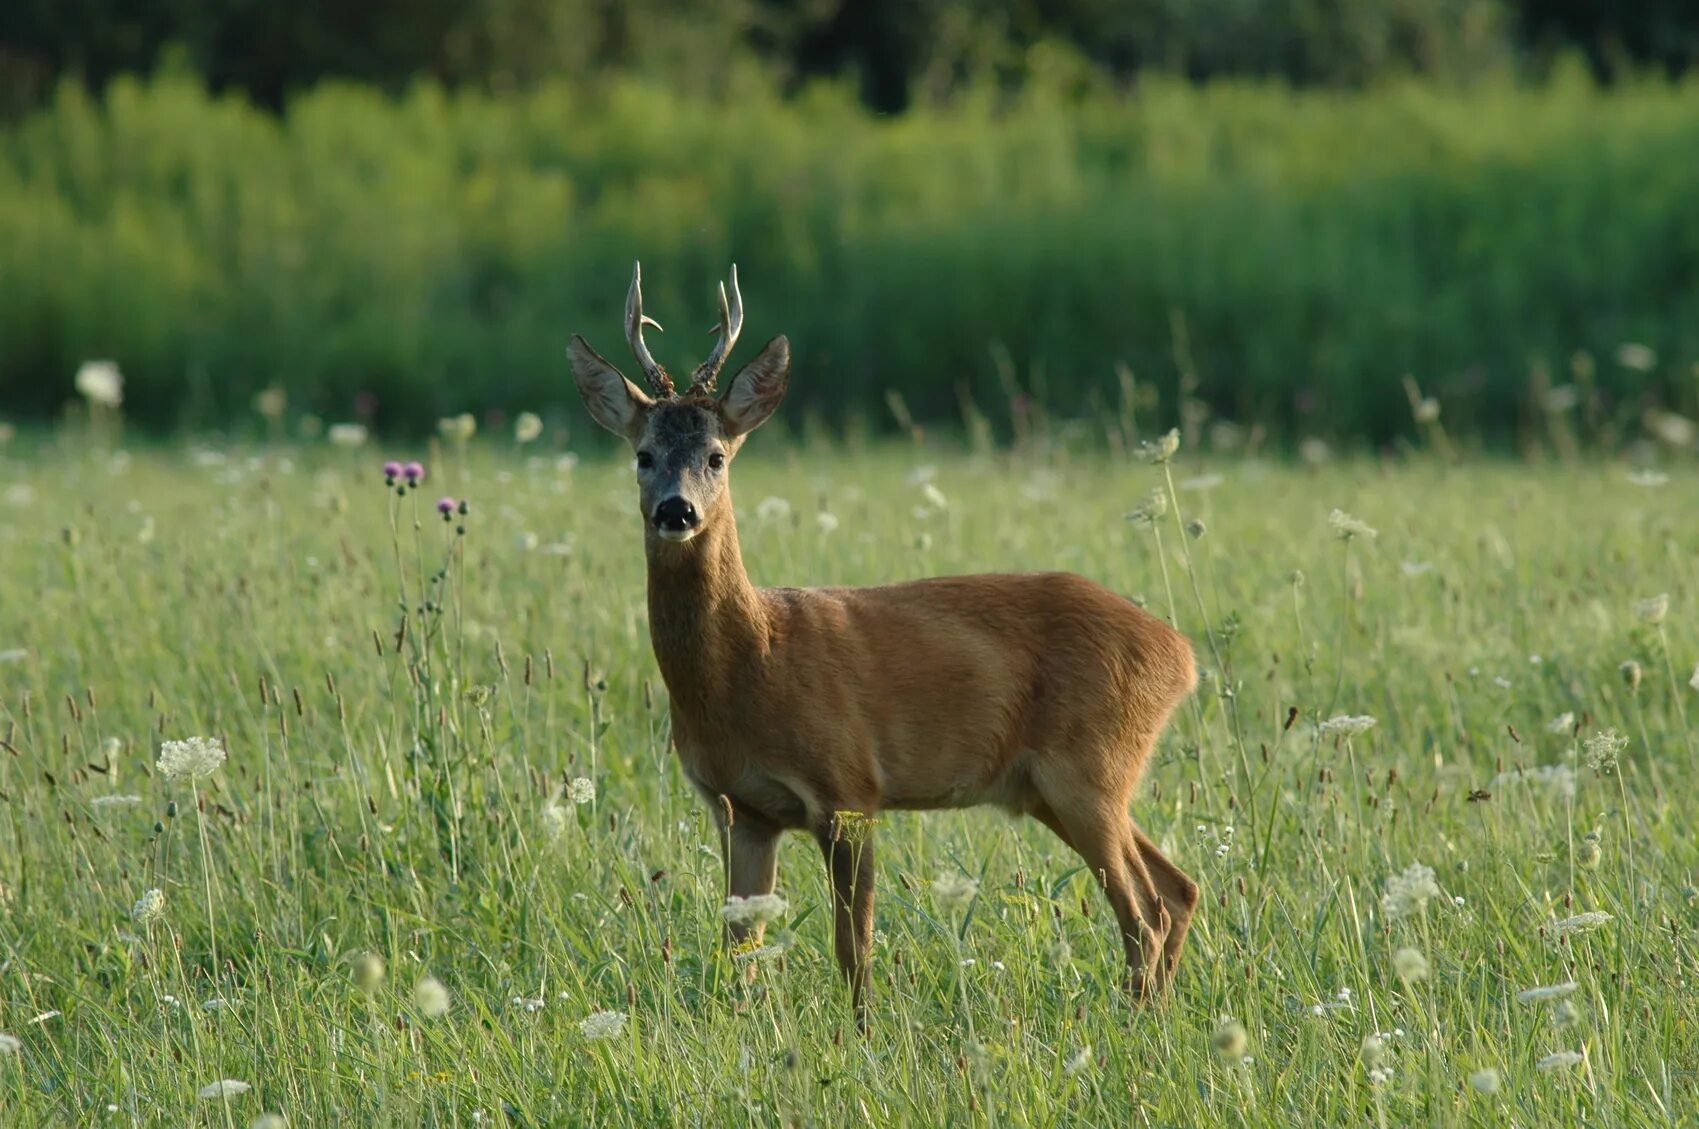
645	460
717	460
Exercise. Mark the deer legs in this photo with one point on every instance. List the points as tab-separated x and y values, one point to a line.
849	860
750	847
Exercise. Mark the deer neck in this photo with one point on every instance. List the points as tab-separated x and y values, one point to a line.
705	618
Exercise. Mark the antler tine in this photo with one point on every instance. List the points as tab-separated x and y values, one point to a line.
634	323
731	324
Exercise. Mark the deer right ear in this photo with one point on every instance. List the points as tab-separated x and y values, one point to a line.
614	402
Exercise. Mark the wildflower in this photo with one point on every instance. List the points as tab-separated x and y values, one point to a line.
1410	965
1564	1014
602	1024
348	435
582	790
1694	681
114	801
269	1121
1558	779
554	819
1562	723
431	998
1583	922
1636	356
1373	1050
10	1044
368	972
773	508
1546	992
757	909
223	1088
527	427
1159	451
149	908
1408	893
271	402
954	891
193	759
934	496
1485	1081
1314	451
1590	851
1415	568
776	944
414	473
1427	410
459	428
1196	528
1631	674
530	1004
1647	478
445	507
1151	510
1653	609
100	383
1562	1060
1603	749
1077	1061
1231	1040
1347	725
826	520
1345	527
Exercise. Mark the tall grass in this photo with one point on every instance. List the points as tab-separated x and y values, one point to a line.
1307	249
406	707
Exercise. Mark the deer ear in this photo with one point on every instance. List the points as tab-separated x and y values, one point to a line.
614	402
757	388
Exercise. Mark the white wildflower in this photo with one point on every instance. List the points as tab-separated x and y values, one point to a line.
1408	893
953	891
431	997
527	427
114	801
269	1121
1562	723
1583	922
1314	451
582	790
369	972
1653	609
934	496
1427	410
1562	1060
777	943
554	819
149	908
1158	451
1077	1061
458	428
1694	681
194	759
1561	399
773	509
1231	1040
348	435
1485	1081
1416	568
602	1024
1347	725
1648	478
826	520
757	909
1603	749
10	1044
1637	356
223	1088
1546	992
1557	779
1151	510
529	1004
100	382
1345	527
18	655
1410	965
1564	1014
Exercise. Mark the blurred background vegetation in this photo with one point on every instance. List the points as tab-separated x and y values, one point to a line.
1266	213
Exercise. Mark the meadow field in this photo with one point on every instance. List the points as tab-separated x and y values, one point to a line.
1433	784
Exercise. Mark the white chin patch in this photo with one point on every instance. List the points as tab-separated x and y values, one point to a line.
675	534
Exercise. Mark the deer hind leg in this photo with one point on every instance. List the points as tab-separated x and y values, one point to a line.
1102	837
1179	894
849	861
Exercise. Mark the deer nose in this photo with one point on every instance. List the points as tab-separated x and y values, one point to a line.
676	514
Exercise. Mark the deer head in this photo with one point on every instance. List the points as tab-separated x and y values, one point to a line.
684	442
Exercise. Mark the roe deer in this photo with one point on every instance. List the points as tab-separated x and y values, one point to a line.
1040	693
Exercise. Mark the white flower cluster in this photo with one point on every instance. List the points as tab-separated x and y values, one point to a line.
1408	893
193	759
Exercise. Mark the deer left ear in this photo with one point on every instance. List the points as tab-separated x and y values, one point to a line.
757	389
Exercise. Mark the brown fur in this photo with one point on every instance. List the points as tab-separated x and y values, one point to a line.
1040	693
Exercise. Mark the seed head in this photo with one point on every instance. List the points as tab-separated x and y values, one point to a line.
582	790
1603	749
1631	674
1345	527
149	908
1653	609
1410	965
368	972
1159	451
431	997
1589	851
1151	510
1196	528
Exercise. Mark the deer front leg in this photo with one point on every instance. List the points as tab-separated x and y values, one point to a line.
849	860
750	847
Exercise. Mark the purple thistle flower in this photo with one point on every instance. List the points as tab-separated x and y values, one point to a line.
414	473
392	470
445	506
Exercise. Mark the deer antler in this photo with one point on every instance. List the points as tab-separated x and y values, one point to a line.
634	323
731	324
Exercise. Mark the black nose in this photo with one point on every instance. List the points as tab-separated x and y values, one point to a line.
675	513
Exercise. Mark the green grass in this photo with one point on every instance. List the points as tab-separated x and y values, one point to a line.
395	801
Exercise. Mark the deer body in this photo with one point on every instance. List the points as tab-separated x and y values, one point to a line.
1042	694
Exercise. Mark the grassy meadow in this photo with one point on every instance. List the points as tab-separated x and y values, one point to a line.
450	831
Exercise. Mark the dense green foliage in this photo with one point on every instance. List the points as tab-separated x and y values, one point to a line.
409	801
1296	253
